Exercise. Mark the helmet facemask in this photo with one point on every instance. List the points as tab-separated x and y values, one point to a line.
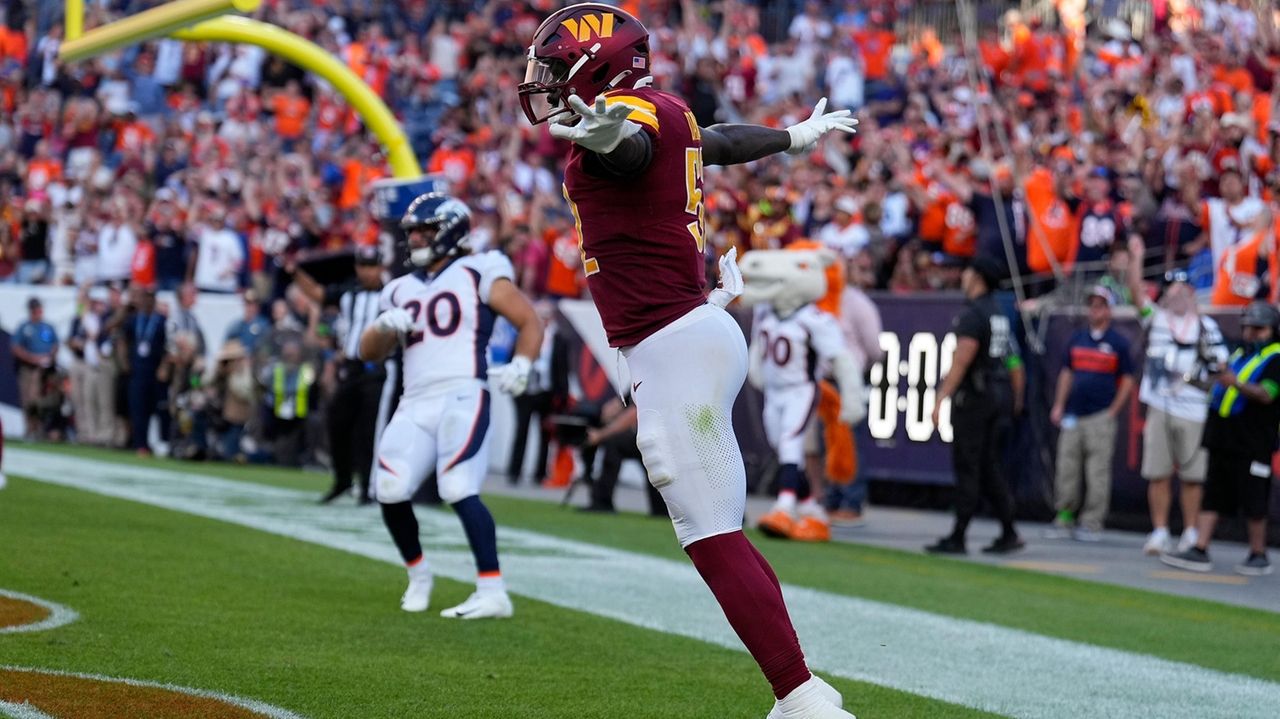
544	87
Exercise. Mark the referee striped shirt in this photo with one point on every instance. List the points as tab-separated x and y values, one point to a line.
358	309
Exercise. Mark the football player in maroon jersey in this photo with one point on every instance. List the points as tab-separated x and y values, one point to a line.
634	184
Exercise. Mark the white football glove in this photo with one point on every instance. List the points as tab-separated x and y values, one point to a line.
805	135
512	377
395	320
730	280
601	128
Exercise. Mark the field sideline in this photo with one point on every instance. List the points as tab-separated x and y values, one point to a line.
167	597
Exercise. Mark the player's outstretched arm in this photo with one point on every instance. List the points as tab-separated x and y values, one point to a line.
726	144
507	300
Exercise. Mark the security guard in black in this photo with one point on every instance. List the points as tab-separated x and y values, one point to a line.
985	387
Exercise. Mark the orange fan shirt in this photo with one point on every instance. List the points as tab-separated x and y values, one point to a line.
1235	283
1052	231
291	114
877	49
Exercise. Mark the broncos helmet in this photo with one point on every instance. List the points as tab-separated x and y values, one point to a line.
446	223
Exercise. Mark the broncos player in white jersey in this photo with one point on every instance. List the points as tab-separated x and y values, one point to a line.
793	345
443	313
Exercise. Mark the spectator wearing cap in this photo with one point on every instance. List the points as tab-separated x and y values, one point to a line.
1182	346
1227	220
845	233
361	402
985	389
35	347
170	243
1093	386
117	243
220	253
1241	437
1099	225
93	377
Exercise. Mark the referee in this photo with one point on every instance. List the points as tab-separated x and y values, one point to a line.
359	405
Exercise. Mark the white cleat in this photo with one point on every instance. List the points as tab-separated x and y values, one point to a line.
486	605
815	699
3	481
418	596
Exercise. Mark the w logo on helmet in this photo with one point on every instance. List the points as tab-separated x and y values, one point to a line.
590	24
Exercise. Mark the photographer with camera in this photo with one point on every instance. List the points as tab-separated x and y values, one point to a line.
616	437
1241	435
1183	349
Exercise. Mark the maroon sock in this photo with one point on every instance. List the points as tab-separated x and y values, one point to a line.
747	591
764	565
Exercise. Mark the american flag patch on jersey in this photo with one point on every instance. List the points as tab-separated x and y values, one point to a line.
637	61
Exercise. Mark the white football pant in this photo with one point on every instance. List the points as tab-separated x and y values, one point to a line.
447	432
685	378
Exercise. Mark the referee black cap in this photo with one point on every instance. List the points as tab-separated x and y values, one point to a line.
991	270
368	255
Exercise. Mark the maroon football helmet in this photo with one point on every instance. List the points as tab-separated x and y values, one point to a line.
585	50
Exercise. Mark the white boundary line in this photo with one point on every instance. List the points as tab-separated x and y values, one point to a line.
58	614
22	711
986	666
251	704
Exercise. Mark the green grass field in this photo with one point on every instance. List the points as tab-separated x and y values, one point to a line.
169	597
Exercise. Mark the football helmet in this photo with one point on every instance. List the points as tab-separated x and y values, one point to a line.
585	50
435	226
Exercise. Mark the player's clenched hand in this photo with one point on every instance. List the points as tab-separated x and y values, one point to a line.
395	320
805	134
512	377
730	280
601	128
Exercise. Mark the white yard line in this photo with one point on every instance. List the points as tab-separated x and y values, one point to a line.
14	710
989	667
251	704
58	614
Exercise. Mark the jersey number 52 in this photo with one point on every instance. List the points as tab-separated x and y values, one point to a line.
693	186
693	199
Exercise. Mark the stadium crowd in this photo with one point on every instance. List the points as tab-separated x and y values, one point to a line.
1061	148
168	162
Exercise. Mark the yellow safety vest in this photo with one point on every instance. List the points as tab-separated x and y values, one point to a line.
1228	406
298	409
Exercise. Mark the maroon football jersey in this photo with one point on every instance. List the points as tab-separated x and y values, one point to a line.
642	237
